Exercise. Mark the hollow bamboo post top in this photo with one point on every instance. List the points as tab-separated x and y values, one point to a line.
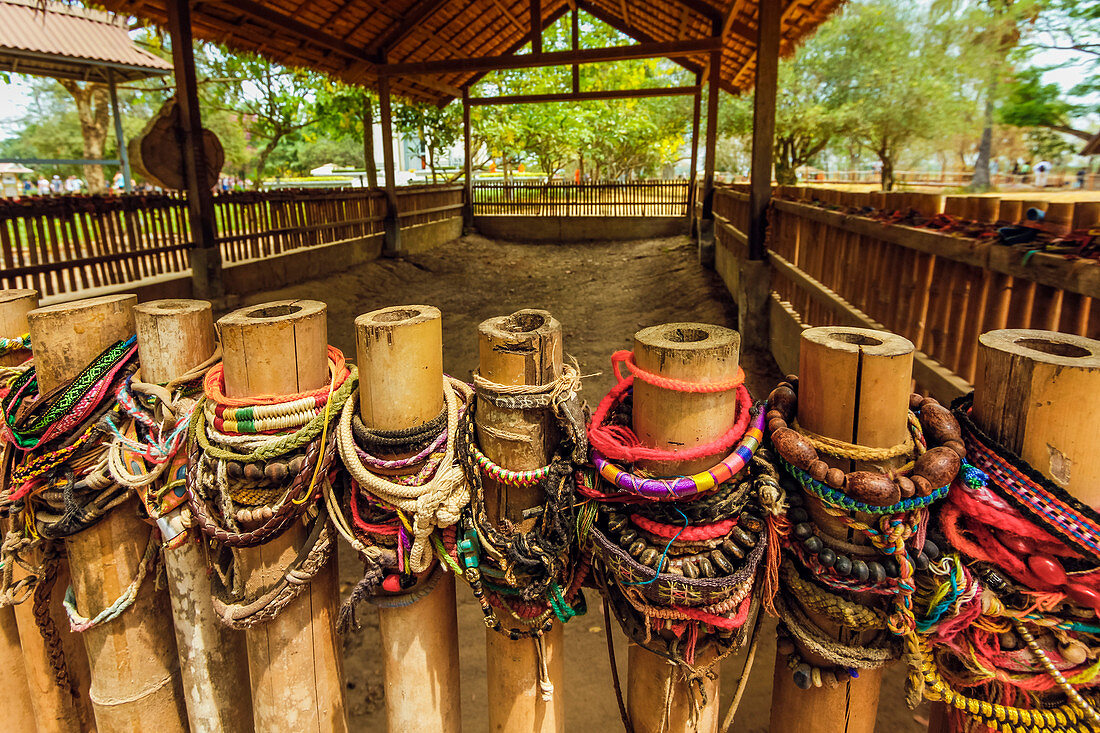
854	385
275	348
174	336
68	336
400	355
523	348
1038	394
14	306
673	420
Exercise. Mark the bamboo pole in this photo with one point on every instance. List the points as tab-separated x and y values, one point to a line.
853	386
134	668
400	355
658	697
14	674
173	337
294	661
521	349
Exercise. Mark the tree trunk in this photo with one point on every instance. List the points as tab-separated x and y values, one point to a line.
93	109
887	173
261	162
981	179
368	142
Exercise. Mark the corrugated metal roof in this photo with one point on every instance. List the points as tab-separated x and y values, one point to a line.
74	42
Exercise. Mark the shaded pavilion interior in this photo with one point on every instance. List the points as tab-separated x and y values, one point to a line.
435	50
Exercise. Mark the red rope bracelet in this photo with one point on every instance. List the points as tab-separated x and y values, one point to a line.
214	385
694	533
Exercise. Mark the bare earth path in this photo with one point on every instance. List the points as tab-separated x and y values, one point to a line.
602	293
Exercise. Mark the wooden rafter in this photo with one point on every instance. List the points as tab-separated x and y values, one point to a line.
409	22
583	96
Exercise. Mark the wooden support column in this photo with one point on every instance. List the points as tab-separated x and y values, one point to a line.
853	386
754	277
1028	386
206	259
467	163
693	190
536	26
54	708
294	661
134	668
521	349
368	142
120	137
20	715
694	352
392	243
575	38
173	337
706	221
400	356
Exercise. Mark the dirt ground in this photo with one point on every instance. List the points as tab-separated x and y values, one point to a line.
602	293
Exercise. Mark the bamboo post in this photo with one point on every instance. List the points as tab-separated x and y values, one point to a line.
173	337
294	661
854	385
134	669
14	674
521	349
400	355
667	419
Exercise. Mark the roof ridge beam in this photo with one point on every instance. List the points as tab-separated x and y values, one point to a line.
555	58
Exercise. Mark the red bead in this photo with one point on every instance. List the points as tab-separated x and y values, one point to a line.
391	584
1016	543
1047	569
1082	595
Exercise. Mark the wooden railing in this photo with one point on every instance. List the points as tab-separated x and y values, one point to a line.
67	244
949	178
837	260
557	198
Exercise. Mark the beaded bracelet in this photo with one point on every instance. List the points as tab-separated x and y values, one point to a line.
507	476
681	487
17	343
856	490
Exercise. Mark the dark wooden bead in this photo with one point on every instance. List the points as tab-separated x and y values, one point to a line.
253	472
705	567
826	557
802	530
637	548
957	446
924	486
843	565
276	471
798	514
296	463
817	470
939	466
794	497
931	549
834	479
730	548
615	522
233	469
784	399
745	539
803	676
876	573
721	562
860	571
907	488
812	543
691	570
891	568
794	448
915	401
791	380
628	536
922	562
750	522
773	414
872	488
776	423
649	557
939	424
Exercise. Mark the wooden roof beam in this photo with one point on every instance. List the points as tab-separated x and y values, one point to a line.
701	7
582	96
409	21
555	58
299	29
791	5
634	33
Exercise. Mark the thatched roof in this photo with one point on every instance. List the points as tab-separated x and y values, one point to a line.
69	42
351	38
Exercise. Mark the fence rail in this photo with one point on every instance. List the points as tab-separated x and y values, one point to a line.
838	258
67	244
634	198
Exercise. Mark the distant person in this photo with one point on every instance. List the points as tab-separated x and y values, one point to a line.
1042	168
28	187
43	186
73	185
1081	173
56	184
118	183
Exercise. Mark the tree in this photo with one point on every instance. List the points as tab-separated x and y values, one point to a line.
271	102
346	112
1033	103
437	127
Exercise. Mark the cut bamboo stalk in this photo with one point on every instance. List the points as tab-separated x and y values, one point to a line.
295	663
173	337
135	672
400	356
853	386
658	697
521	349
